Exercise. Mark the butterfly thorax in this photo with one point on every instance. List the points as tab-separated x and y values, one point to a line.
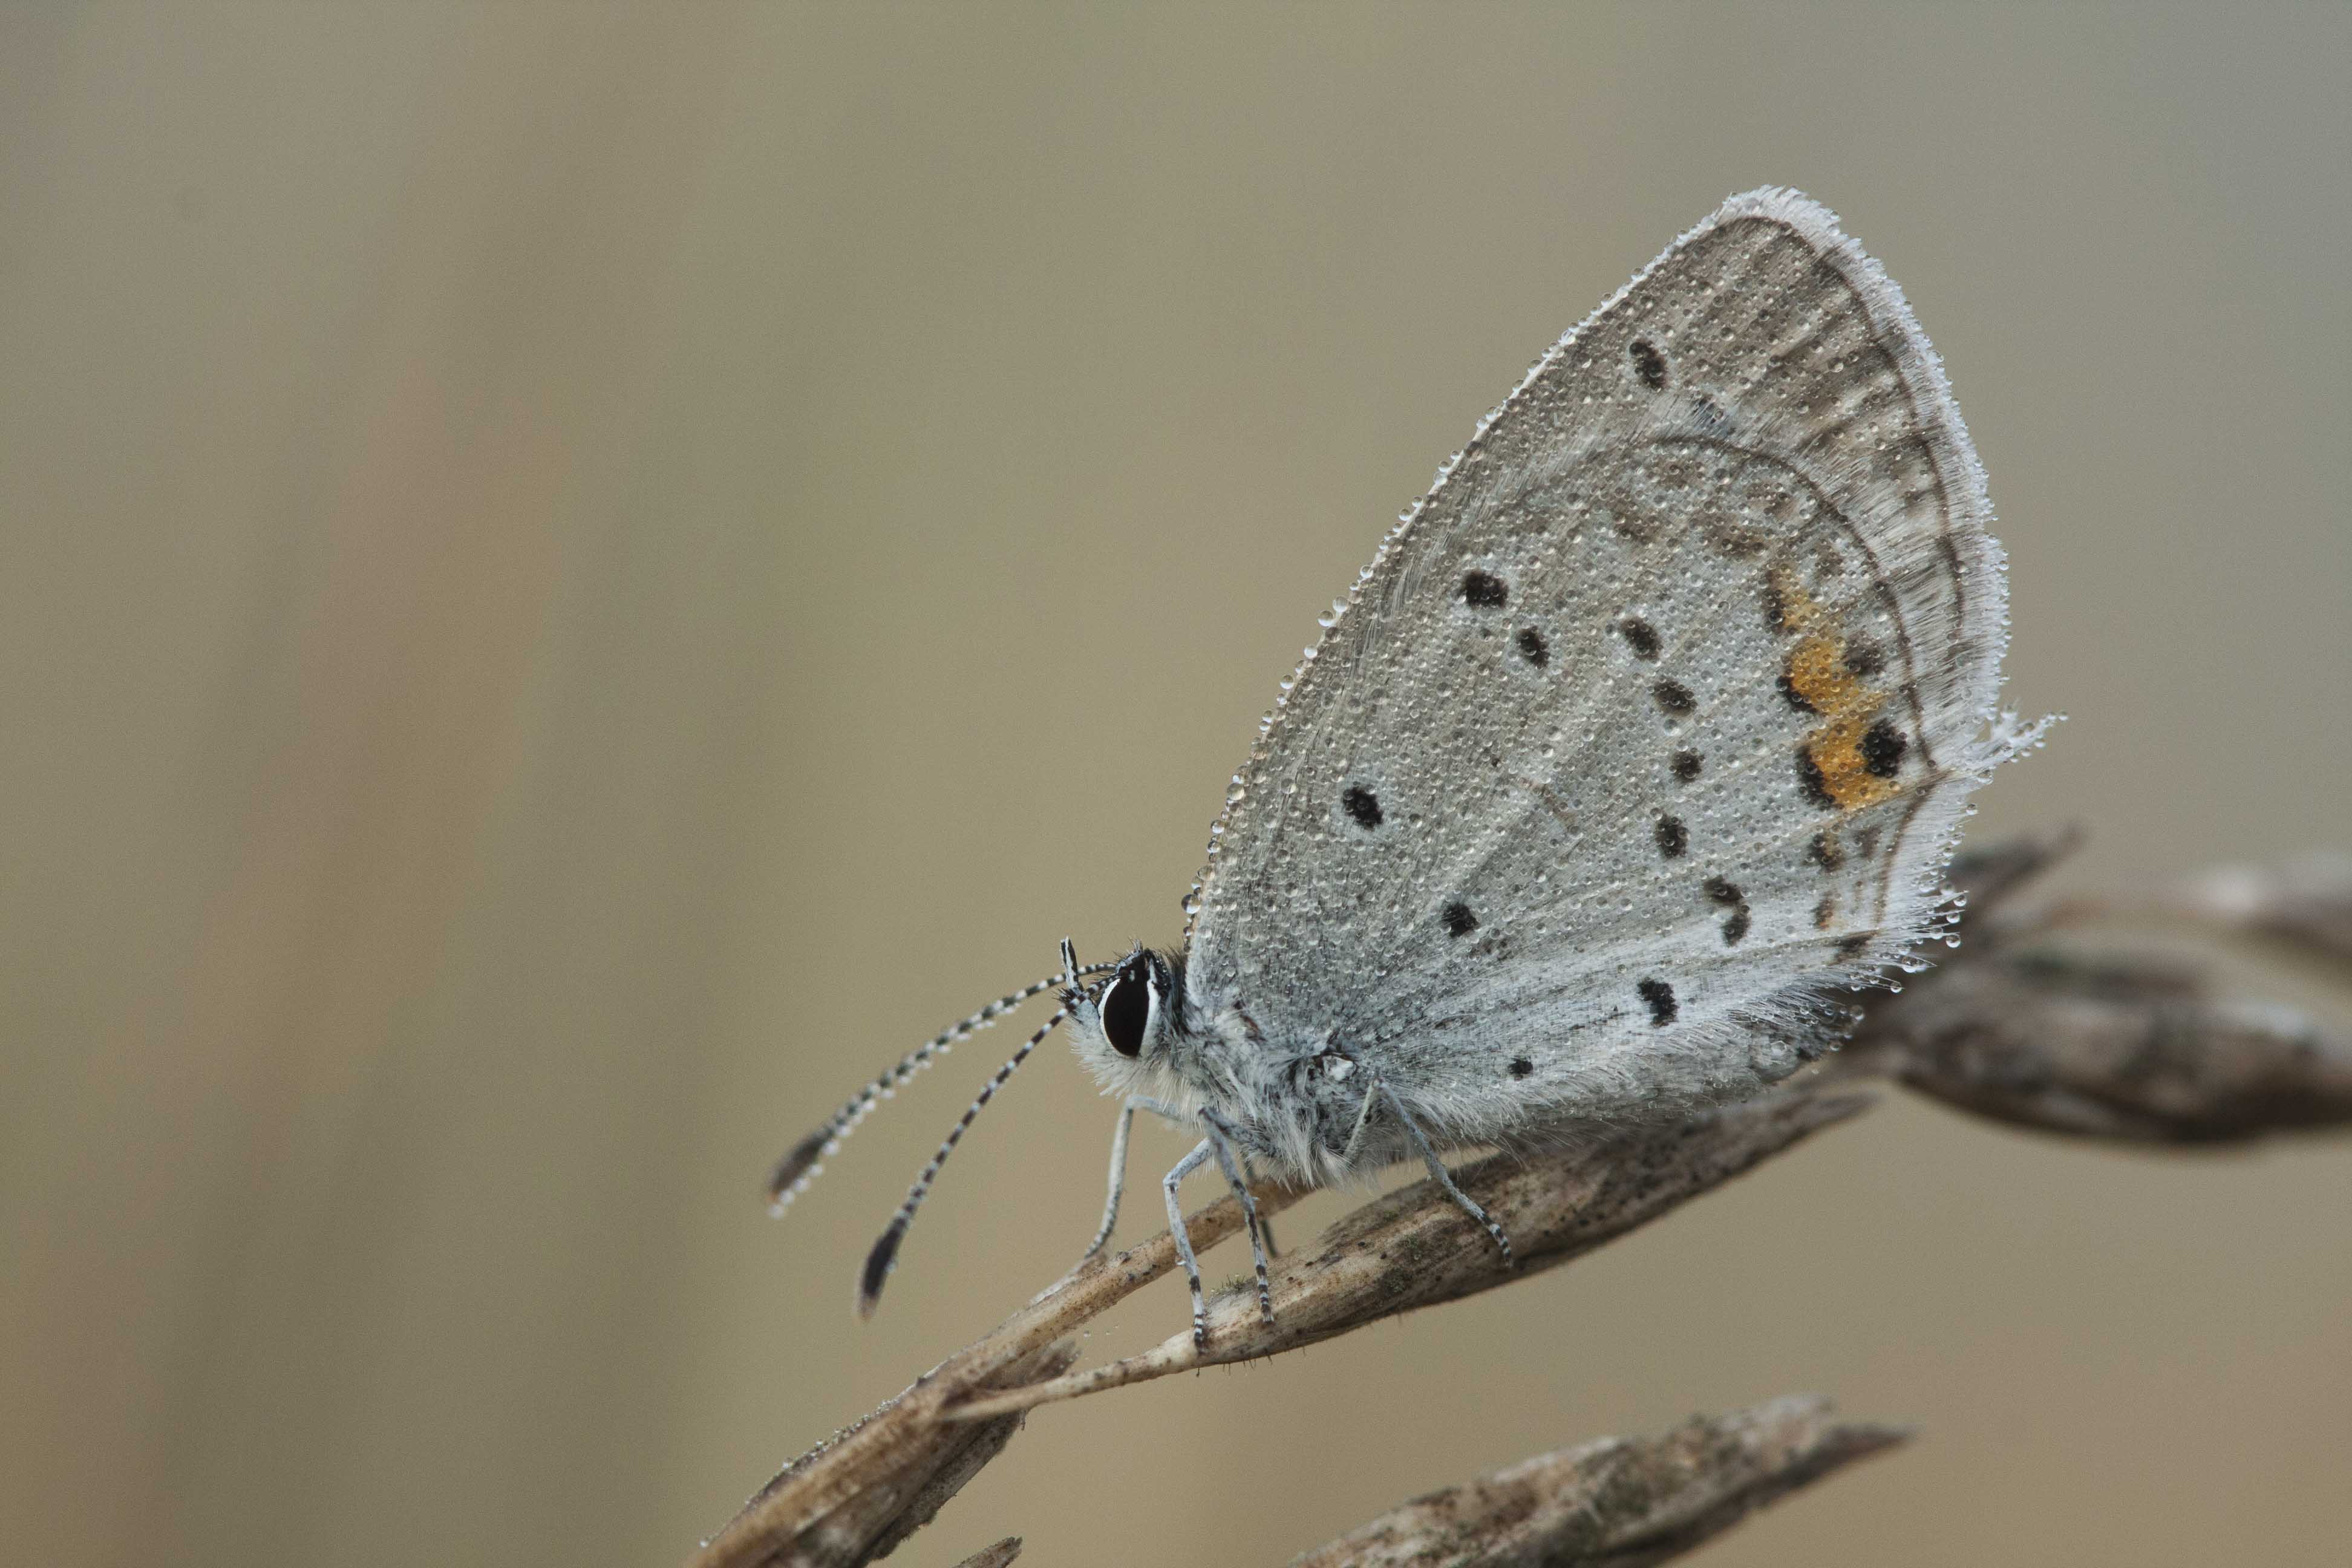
1295	1099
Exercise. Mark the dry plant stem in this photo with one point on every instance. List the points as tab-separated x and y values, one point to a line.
927	1463
817	1512
2308	904
2305	907
1000	1555
2021	1029
1620	1501
1409	1249
1415	1248
2099	1049
2009	1027
957	1464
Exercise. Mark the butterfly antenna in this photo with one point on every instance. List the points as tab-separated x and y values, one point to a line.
803	1163
885	1255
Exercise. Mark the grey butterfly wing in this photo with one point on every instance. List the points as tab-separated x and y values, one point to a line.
1647	732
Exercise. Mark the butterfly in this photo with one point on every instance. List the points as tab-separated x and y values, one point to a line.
1641	746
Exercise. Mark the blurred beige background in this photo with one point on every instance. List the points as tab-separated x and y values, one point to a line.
575	579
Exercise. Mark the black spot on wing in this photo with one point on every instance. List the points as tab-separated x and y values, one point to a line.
1459	920
1521	1067
1640	636
1883	746
1485	590
1648	364
1673	836
1725	893
1674	697
1661	999
1810	780
1362	804
1532	644
1686	765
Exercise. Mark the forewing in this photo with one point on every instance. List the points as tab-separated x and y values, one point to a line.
1648	730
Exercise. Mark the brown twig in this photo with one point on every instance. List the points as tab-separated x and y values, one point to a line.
1000	1555
1411	1248
907	1444
1416	1248
2013	1028
2139	1049
2126	1050
1621	1502
2307	904
900	1464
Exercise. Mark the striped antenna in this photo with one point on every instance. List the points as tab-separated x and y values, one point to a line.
885	1255
802	1164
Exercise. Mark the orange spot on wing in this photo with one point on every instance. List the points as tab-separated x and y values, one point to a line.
1817	673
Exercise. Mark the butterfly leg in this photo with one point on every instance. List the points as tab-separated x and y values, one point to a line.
1443	1177
1185	1167
1264	1222
1135	1102
1221	1133
1363	1124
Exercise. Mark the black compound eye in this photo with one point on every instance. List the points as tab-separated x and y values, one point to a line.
1125	1009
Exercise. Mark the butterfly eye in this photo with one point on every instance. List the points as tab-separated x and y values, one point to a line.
1125	1009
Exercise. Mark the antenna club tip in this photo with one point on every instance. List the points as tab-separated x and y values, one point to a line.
794	1171
878	1264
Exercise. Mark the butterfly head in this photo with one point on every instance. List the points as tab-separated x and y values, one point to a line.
1125	1027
